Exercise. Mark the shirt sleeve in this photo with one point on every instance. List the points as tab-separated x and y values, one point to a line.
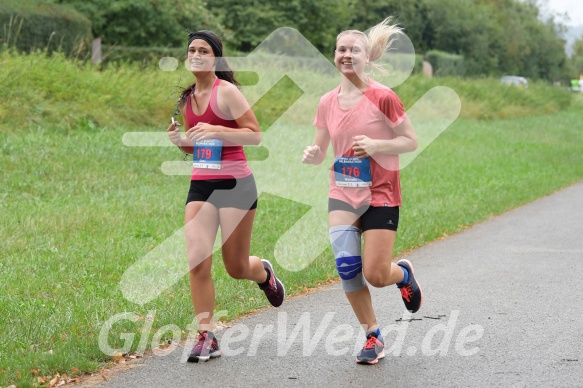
393	109
320	119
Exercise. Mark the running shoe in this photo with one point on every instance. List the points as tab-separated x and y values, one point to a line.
372	351
206	348
411	292
274	289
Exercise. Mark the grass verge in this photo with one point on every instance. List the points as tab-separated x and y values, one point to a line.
79	208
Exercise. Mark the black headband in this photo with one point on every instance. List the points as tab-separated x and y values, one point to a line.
212	41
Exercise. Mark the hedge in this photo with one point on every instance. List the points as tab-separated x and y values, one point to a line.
446	64
28	25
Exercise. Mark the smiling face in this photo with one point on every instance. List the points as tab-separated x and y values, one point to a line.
200	56
350	56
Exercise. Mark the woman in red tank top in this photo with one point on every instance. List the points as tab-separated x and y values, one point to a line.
218	122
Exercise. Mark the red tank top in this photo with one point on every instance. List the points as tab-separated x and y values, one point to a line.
233	159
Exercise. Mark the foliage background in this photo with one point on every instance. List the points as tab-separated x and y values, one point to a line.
494	36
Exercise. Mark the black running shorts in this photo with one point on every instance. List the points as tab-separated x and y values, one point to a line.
371	217
238	193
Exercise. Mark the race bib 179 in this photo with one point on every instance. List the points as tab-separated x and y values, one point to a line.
207	154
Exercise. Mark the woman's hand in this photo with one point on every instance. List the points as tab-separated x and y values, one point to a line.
202	131
311	154
174	133
364	146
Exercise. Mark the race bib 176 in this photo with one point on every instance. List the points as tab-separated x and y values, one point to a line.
349	171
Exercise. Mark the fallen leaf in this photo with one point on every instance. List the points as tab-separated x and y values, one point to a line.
54	381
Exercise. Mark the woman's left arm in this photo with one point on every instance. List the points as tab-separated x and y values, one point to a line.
405	141
232	104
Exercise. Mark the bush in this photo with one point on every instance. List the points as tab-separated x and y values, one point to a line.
418	64
28	25
446	64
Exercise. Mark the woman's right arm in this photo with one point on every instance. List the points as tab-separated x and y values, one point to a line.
175	137
316	153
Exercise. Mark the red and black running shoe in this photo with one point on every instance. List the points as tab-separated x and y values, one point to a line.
411	292
372	351
206	348
274	289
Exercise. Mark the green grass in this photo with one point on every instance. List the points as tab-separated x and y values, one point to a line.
486	98
79	208
476	170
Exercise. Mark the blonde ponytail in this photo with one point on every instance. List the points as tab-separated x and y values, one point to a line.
379	38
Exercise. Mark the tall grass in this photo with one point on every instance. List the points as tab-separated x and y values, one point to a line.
37	89
46	90
78	207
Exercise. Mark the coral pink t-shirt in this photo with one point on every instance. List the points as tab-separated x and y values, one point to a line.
233	159
375	115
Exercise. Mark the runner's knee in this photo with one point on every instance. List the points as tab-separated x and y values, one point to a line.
237	271
345	240
378	271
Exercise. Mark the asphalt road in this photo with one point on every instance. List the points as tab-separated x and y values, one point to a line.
503	307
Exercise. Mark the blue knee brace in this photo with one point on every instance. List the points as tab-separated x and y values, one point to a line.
345	240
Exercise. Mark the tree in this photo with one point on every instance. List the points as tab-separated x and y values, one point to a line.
251	21
146	23
497	36
468	29
577	57
410	15
534	48
319	21
494	36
